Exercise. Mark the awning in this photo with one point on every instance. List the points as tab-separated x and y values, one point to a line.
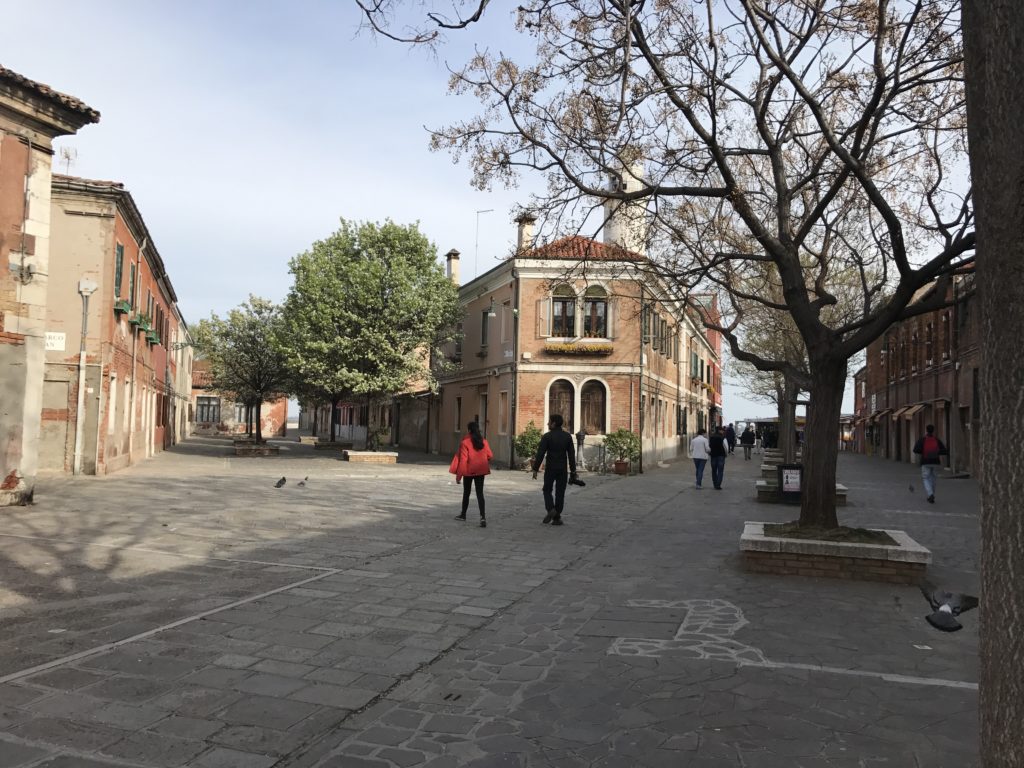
909	412
897	413
878	414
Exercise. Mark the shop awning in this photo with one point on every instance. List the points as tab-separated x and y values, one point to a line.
899	412
878	415
909	412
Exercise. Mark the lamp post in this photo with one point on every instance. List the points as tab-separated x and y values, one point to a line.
86	288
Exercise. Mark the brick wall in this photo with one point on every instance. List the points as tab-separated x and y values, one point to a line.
854	568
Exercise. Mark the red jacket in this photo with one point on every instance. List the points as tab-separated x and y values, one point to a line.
472	462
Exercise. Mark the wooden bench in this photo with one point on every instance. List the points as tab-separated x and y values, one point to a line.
370	457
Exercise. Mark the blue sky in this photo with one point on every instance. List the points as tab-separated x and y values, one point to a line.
244	130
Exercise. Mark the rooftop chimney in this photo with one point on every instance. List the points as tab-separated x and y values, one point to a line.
626	222
525	221
452	270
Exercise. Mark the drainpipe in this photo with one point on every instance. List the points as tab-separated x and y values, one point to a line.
86	288
515	371
135	352
643	320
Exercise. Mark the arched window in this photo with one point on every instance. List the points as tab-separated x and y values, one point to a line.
560	400
595	314
593	401
563	312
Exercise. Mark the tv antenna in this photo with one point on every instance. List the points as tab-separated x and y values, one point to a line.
68	156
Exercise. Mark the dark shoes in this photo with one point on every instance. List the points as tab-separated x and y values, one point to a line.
549	517
483	523
931	499
557	521
460	517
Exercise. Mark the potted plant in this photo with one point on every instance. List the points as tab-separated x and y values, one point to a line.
526	443
624	447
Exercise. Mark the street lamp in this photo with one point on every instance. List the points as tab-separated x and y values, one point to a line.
86	288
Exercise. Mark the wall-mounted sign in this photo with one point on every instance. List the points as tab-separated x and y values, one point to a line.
55	341
791	480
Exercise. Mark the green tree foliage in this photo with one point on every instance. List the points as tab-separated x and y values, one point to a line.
243	352
368	306
526	442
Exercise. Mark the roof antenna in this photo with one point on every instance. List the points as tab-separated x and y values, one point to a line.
68	156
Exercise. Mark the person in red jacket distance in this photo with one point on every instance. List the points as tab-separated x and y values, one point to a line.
472	464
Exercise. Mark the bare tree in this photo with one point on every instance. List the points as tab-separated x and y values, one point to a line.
994	37
751	138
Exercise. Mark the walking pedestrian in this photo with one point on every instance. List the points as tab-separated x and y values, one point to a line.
699	449
747	441
730	437
558	456
472	464
930	448
717	452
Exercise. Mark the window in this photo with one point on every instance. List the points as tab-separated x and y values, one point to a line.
929	348
118	270
484	328
240	413
945	336
595	314
563	312
914	351
694	365
131	285
458	342
458	414
593	399
503	413
506	322
560	401
207	410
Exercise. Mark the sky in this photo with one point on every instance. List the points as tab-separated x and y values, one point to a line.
245	130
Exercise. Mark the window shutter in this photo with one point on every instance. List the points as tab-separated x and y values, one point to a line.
543	318
131	285
610	319
118	270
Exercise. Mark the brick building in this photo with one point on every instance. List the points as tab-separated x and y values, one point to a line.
215	414
120	401
31	116
922	371
606	347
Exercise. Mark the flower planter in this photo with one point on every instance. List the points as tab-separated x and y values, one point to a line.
601	350
621	467
122	306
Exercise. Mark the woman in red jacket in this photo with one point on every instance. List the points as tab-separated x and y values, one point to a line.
473	463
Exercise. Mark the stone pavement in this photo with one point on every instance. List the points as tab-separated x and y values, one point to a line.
186	613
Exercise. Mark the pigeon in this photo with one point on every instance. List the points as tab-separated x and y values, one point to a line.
911	487
302	482
946	606
280	482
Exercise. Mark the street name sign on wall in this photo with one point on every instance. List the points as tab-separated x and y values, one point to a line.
55	341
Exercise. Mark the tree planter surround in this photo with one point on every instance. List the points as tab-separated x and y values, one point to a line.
905	563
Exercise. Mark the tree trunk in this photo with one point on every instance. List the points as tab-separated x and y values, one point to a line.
994	40
334	419
787	420
821	448
257	421
315	412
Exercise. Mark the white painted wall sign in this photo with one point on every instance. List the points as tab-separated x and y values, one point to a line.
55	341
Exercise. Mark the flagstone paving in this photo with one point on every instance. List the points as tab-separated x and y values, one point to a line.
187	613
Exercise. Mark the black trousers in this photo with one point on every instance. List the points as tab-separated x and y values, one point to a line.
556	480
478	481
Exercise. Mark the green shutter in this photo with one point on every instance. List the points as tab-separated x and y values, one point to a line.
131	285
118	270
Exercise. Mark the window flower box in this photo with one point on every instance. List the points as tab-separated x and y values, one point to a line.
153	337
122	306
136	320
579	349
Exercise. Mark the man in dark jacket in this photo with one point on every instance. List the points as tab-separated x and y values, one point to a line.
930	448
730	437
719	449
560	463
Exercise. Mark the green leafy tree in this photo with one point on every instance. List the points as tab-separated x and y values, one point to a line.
367	308
527	441
245	359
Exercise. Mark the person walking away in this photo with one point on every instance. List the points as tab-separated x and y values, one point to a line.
717	453
747	441
558	456
699	452
472	464
730	437
930	448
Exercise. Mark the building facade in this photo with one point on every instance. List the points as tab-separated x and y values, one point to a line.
118	349
924	370
216	415
605	347
31	116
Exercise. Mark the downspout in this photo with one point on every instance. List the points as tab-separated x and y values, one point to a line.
86	288
643	319
135	353
515	370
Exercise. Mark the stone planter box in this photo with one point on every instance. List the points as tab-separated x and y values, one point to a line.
904	563
768	491
308	439
327	445
370	457
256	449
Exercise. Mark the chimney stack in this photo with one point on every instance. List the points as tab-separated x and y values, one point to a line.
625	222
525	220
452	270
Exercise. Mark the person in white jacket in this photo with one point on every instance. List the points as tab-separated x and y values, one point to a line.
700	449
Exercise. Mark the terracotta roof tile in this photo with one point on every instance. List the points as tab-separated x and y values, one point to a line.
581	248
68	102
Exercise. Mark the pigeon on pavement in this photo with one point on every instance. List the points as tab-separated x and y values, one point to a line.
302	482
280	482
946	606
